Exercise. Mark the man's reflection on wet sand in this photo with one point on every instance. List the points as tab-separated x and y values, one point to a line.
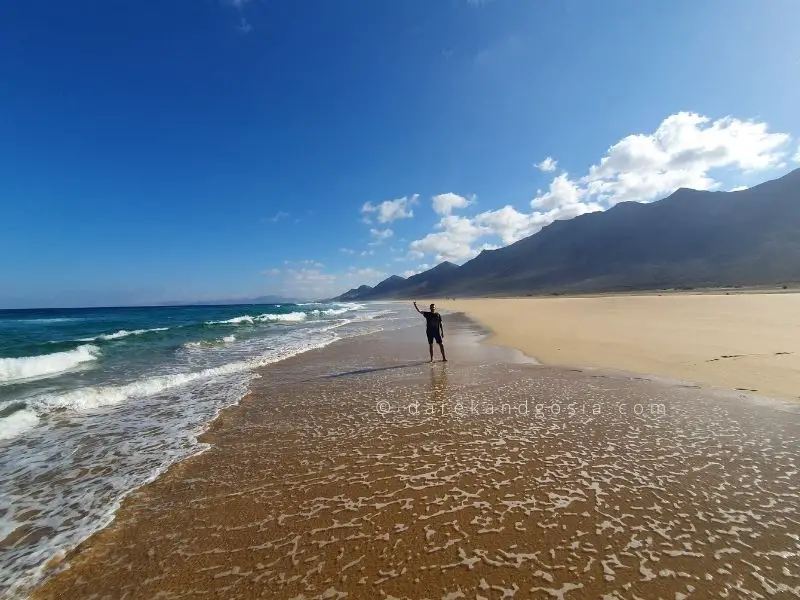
438	382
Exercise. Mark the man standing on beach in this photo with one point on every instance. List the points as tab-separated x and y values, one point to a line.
433	329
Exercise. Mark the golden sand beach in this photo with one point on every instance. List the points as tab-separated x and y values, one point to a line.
747	341
361	471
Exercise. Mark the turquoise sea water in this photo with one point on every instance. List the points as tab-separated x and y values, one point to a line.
96	402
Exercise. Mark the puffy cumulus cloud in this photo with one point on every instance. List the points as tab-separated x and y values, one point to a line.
390	210
684	151
380	235
453	241
508	224
548	165
457	236
444	204
562	191
796	157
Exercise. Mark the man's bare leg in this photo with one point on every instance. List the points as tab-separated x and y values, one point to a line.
430	347
441	349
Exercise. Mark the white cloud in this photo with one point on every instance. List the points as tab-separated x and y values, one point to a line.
685	150
739	188
453	242
444	204
419	269
367	252
457	236
390	210
562	192
271	272
796	157
509	224
347	251
281	214
681	152
548	165
380	235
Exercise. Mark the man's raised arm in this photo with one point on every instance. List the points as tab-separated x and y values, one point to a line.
416	307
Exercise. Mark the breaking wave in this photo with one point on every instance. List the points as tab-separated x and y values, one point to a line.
17	423
45	365
292	317
94	397
122	333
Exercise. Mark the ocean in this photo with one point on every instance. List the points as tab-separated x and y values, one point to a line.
96	402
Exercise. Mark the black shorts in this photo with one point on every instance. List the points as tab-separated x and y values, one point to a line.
434	336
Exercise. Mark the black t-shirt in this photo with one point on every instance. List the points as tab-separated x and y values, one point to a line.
433	320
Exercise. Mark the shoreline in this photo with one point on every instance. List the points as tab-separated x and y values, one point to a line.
195	443
748	342
308	491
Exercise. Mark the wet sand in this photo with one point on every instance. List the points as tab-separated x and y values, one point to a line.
357	471
747	341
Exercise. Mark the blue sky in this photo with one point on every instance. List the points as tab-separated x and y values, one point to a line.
196	149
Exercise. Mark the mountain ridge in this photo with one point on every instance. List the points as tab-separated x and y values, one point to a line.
694	238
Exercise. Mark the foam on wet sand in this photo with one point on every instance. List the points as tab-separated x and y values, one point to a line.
360	471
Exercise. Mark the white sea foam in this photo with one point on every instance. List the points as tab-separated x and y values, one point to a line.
45	365
89	398
350	305
292	317
331	311
94	397
228	339
122	333
17	423
157	418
